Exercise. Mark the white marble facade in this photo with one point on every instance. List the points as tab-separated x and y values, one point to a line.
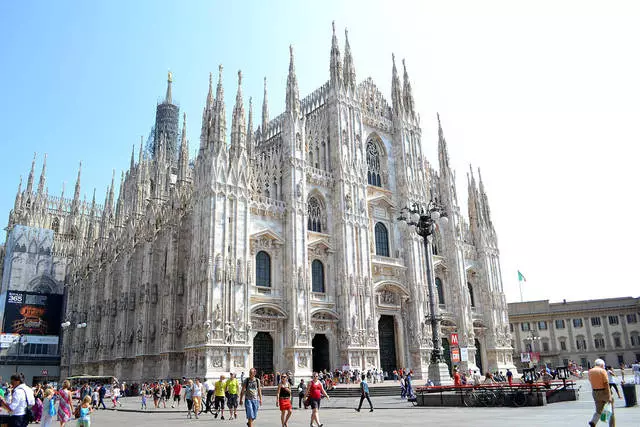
286	236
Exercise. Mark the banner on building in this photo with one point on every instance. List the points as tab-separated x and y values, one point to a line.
464	354
525	357
455	355
29	313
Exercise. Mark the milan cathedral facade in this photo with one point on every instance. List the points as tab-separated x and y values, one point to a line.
278	248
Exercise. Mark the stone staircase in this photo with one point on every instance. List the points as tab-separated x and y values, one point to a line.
392	389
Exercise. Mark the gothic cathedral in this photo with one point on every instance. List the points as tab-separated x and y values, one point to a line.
278	248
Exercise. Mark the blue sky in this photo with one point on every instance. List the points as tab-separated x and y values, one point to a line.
544	97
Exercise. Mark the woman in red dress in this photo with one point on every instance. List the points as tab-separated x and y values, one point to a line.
315	392
283	400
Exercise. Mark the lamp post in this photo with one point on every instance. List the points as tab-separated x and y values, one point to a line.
65	326
423	220
533	338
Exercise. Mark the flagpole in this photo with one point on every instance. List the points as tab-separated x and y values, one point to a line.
520	286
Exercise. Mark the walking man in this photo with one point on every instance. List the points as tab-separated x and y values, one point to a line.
364	394
231	388
635	367
601	392
253	390
219	389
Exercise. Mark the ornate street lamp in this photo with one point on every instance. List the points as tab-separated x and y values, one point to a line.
423	221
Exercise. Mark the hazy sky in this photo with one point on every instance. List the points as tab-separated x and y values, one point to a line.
543	96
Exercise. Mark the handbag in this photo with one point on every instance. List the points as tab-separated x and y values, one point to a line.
76	413
28	413
606	413
52	408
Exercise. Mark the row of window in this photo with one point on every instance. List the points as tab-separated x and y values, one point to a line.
598	343
440	292
577	323
263	272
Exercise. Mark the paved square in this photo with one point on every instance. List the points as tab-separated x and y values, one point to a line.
390	411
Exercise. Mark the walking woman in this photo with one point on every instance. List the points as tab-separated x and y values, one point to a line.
283	399
65	404
315	391
188	397
49	408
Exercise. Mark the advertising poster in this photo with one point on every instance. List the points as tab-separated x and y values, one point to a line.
28	313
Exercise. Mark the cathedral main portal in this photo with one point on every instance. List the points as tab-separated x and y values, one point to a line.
263	353
387	339
321	356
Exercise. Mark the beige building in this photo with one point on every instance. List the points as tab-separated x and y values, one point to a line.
580	331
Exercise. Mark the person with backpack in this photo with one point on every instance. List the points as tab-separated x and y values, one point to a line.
49	408
364	394
253	390
21	401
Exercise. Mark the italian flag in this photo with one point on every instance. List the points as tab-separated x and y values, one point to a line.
521	277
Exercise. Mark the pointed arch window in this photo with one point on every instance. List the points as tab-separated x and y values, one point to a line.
314	212
382	239
373	164
263	269
55	225
440	291
471	296
317	276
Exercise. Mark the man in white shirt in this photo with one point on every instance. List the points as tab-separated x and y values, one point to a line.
208	387
21	397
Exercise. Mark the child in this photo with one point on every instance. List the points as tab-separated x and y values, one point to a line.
85	410
48	408
95	396
144	398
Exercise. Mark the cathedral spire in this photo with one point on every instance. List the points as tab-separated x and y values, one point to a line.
443	152
76	194
140	154
31	174
238	124
120	202
293	101
183	161
167	99
396	91
18	201
60	203
132	162
265	110
209	103
349	68
335	68
407	94
484	200
109	206
250	128
219	120
43	176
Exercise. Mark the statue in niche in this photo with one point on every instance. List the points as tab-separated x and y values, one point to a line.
354	322
164	326
369	324
217	317
179	327
239	316
154	294
139	332
229	330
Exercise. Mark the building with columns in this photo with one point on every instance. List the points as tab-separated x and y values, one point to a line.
578	331
278	247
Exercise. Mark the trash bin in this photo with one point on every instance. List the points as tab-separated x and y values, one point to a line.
630	397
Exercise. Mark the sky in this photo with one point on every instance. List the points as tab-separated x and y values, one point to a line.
543	96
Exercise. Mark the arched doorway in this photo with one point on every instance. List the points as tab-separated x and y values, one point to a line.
320	353
387	340
478	355
263	353
446	353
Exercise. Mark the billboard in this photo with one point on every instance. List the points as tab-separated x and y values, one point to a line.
30	313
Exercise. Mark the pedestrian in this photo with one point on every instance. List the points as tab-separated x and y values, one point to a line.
601	392
115	395
102	392
231	389
219	390
156	395
403	388
21	397
510	377
143	398
163	395
315	391
301	390
364	394
95	398
197	397
84	411
635	367
208	389
188	397
456	378
613	381
177	391
65	403
49	408
253	390
283	399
